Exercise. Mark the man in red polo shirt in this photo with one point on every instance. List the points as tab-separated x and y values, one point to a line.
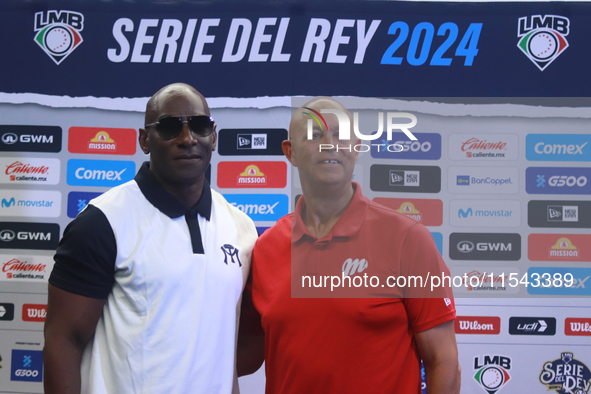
369	338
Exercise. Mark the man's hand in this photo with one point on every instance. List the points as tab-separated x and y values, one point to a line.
70	323
439	351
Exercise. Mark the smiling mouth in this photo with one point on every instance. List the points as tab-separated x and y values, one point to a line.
329	162
188	157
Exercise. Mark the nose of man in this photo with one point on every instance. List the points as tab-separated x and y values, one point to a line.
186	137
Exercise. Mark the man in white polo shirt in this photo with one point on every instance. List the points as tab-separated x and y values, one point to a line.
146	289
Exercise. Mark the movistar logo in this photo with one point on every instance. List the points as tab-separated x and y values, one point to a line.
465	214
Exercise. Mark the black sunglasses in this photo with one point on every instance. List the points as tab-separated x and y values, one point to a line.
170	127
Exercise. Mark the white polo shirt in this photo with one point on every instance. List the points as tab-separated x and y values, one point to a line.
170	321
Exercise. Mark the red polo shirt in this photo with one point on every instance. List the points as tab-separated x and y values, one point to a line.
345	345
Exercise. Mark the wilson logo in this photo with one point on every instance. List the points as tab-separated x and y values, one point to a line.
577	326
477	325
34	312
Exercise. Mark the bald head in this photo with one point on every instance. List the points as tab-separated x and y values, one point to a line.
299	120
174	90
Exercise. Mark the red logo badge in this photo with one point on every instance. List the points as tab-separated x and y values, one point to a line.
477	325
105	141
426	211
559	247
34	312
579	326
257	174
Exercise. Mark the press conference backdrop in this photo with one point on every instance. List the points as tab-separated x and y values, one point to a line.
499	174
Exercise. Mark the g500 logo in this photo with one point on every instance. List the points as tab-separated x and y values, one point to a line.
345	129
543	38
58	33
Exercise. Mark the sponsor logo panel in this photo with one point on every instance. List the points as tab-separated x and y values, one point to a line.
104	141
30	139
484	281
105	173
489	180
251	142
25	268
426	147
485	246
6	312
564	214
577	326
542	38
260	207
34	312
426	211
553	281
14	235
77	201
497	147
491	372
409	179
258	174
532	325
29	171
26	365
31	203
485	213
559	247
558	147
479	325
558	180
566	375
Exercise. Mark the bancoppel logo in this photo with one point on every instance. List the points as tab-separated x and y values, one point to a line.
58	33
30	203
485	213
577	326
251	142
105	173
260	207
573	214
27	170
479	325
483	147
77	201
26	366
412	179
43	236
491	372
484	246
558	147
532	326
30	139
31	268
6	312
34	312
542	38
559	247
566	375
426	147
426	211
483	180
259	174
104	141
567	281
558	180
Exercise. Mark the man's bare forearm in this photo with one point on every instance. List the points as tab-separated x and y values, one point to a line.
443	378
61	361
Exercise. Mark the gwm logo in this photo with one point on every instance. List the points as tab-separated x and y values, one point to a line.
58	33
345	129
542	38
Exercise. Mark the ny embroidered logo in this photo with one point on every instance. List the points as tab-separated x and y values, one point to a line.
232	252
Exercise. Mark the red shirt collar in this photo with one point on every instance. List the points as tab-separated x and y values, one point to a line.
347	225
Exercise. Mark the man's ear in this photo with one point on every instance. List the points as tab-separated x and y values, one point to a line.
288	152
143	140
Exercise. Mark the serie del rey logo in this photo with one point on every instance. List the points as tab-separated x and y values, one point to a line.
542	38
58	33
566	375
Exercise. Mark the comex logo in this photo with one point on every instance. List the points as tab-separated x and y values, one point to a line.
58	33
543	38
230	251
9	138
